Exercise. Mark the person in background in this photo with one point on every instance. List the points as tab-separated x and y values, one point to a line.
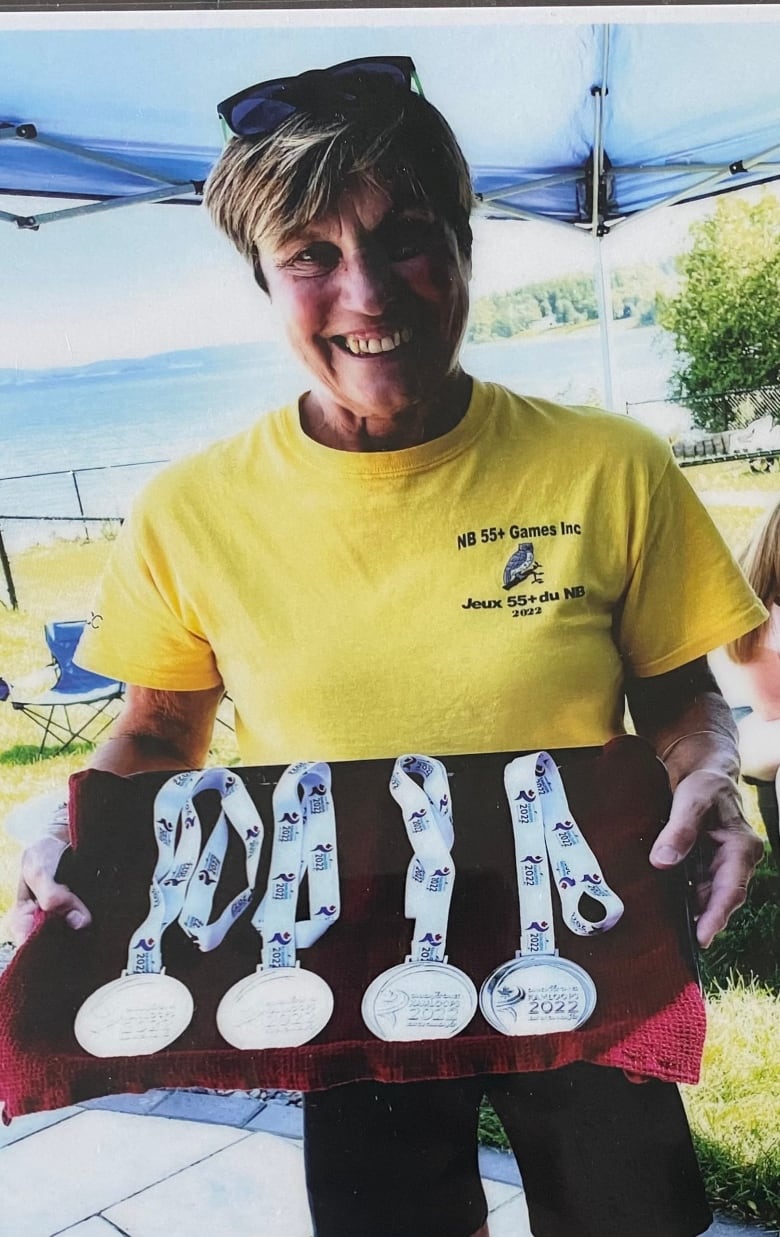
756	664
327	569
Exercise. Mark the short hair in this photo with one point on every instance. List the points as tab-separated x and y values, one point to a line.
264	190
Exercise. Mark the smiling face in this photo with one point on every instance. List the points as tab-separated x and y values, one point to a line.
374	300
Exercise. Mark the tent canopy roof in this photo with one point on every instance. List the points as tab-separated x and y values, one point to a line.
651	113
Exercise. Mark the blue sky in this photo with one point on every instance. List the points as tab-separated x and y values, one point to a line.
151	278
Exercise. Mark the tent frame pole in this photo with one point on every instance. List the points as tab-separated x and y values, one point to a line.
33	222
527	186
694	192
28	132
516	212
602	280
599	92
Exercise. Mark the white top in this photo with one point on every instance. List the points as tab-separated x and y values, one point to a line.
755	683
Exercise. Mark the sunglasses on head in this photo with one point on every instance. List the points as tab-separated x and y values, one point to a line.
258	110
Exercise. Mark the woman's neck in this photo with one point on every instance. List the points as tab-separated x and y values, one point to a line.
345	430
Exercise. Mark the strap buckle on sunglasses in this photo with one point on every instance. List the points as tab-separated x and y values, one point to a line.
258	110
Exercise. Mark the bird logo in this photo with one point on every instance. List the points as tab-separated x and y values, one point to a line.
521	566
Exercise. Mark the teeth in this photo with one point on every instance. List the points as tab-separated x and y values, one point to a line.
371	347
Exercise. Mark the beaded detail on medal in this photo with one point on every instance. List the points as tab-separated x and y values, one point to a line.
145	1009
281	1005
537	992
424	997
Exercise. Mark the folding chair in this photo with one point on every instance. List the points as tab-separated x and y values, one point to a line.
74	689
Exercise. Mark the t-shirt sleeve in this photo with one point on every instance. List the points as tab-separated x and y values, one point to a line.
685	594
147	630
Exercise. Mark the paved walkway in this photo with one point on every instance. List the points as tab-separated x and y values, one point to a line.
187	1164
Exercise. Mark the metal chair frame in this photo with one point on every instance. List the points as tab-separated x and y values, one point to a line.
96	693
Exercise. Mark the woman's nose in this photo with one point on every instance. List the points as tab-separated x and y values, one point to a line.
367	281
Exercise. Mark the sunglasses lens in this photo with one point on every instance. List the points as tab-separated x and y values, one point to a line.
254	116
368	73
265	107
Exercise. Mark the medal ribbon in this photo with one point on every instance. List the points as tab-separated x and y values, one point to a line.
237	810
427	814
546	834
184	879
304	844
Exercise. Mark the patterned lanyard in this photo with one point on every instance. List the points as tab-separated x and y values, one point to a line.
304	843
537	992
545	830
184	880
424	997
427	815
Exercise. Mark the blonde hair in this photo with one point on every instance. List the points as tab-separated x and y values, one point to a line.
264	190
761	564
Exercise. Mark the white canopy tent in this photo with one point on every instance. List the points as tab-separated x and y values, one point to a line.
575	123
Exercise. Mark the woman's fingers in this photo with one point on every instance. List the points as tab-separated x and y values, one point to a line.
39	889
706	805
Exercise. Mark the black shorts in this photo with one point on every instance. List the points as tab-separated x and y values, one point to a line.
599	1156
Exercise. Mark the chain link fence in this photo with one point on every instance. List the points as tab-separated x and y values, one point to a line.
67	503
753	417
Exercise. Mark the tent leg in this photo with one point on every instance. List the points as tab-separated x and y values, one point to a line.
9	580
604	298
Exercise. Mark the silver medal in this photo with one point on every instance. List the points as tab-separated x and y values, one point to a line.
538	996
419	1000
281	1007
134	1016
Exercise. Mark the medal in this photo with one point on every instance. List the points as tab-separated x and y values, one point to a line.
145	1010
279	1008
423	997
537	992
281	1005
537	996
134	1016
419	1000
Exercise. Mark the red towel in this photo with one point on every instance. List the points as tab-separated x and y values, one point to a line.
649	1019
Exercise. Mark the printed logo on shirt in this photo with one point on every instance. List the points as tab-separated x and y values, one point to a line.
521	566
522	572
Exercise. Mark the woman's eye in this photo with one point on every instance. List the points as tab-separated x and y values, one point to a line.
406	238
316	258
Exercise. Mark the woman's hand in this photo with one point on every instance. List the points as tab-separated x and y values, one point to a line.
38	889
156	730
684	715
706	809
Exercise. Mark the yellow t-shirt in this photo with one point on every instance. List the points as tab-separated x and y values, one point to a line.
480	592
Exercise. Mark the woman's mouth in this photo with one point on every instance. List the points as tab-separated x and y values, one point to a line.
373	345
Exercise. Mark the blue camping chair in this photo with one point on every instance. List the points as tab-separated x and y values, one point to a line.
75	689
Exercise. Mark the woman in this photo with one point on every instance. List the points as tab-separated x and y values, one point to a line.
757	658
411	560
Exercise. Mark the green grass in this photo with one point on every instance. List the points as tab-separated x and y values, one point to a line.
734	1113
52	581
31	754
731	475
748	948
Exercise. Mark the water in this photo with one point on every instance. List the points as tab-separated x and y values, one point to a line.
165	407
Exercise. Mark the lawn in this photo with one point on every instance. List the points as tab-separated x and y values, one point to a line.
731	475
735	1112
52	581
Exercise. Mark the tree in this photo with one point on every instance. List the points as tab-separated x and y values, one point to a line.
569	300
725	318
